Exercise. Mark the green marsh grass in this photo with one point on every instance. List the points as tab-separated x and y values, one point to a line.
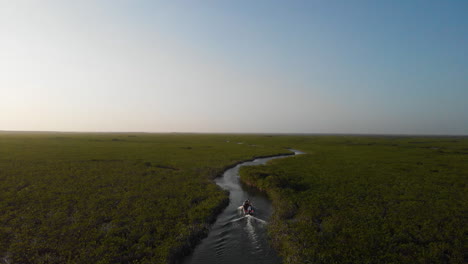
110	198
369	200
147	198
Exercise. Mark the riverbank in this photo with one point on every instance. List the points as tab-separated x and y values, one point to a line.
110	198
368	199
235	238
121	198
188	244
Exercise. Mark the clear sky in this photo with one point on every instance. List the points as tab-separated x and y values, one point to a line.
397	67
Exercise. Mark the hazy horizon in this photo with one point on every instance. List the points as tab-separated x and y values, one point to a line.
306	67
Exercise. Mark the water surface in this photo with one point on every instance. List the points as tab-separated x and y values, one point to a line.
235	238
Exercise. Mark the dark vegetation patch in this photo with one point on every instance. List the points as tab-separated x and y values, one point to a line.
166	167
106	160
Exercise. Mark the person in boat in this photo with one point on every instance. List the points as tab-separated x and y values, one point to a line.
247	206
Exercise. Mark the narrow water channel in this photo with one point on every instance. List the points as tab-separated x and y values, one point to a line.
235	238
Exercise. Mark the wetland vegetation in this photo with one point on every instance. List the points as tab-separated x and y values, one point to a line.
110	198
369	200
147	198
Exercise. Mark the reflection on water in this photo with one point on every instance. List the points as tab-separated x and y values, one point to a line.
235	238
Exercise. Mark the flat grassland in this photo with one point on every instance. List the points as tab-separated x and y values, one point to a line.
146	198
110	198
369	200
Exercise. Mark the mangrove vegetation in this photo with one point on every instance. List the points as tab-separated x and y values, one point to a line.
149	198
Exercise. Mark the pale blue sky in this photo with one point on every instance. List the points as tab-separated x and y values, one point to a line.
394	67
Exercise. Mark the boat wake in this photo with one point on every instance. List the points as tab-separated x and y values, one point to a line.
253	218
235	237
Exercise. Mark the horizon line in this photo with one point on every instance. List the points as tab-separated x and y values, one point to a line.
239	133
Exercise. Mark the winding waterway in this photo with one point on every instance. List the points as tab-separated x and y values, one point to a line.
235	238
